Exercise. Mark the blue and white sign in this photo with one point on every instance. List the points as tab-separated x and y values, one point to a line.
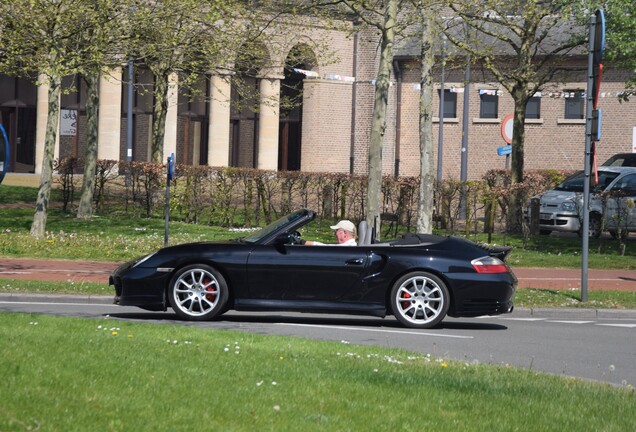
4	153
504	150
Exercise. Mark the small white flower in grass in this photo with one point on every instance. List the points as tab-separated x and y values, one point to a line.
277	408
174	342
375	370
260	383
345	342
226	349
274	383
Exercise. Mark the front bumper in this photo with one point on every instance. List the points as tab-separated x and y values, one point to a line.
138	286
562	221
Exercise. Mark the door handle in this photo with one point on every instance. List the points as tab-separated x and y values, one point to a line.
357	261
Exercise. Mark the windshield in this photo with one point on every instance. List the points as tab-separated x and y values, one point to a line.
575	182
254	238
628	160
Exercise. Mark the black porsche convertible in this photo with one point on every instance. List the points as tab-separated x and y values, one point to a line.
418	278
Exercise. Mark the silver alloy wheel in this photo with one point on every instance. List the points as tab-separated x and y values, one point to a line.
420	300
196	293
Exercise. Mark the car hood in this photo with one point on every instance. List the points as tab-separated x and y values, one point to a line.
557	197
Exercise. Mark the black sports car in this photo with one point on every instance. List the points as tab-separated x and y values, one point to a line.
419	278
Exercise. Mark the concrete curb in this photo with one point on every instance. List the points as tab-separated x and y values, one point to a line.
579	313
548	313
55	298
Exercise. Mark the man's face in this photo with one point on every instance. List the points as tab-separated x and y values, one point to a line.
341	236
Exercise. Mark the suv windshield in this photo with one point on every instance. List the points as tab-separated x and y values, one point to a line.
575	182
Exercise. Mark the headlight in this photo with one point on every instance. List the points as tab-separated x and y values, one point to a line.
144	259
568	206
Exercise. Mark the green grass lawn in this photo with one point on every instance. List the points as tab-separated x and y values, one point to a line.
72	374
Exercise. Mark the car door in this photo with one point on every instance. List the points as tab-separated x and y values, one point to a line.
317	273
621	208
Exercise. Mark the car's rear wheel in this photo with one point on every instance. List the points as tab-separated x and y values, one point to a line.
198	292
420	300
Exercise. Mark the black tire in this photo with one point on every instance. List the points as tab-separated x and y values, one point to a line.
420	300
198	293
594	228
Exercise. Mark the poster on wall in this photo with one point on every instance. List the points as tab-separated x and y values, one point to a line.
68	122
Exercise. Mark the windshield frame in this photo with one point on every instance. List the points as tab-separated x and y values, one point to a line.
290	220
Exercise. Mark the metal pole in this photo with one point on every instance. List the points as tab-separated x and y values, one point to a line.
464	156
587	168
440	142
167	207
129	114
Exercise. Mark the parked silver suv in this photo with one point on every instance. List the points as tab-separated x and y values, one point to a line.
611	202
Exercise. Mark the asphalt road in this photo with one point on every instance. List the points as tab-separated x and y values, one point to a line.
585	344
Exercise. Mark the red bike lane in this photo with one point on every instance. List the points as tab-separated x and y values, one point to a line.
98	271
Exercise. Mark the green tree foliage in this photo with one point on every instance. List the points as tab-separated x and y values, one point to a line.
620	20
522	43
49	39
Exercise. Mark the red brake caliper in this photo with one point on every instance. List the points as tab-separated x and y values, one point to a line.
210	297
405	304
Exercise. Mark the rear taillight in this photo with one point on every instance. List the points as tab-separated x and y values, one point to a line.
489	265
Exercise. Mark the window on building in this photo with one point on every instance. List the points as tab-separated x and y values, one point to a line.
450	103
489	104
533	108
574	103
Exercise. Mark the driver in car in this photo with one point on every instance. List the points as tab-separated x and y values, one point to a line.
345	232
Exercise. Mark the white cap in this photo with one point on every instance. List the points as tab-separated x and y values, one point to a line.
345	225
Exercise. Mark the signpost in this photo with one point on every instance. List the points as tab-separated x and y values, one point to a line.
593	116
169	177
506	134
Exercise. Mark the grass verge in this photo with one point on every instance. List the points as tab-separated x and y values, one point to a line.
76	374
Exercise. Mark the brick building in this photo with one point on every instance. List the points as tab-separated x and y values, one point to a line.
330	130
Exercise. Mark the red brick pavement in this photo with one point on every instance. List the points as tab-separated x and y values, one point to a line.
91	271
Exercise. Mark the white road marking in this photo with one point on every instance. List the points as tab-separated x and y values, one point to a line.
618	325
570	322
523	319
377	330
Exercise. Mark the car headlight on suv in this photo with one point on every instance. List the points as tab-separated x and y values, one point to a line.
569	206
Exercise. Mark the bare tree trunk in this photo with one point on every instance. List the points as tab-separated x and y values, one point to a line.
425	202
515	213
159	117
378	125
85	210
38	227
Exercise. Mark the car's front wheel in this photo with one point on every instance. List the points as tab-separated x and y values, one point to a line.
198	292
420	300
595	226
